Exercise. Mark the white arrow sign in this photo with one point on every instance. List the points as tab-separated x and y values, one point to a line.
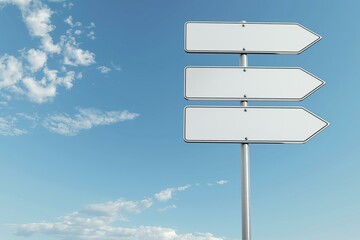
237	37
251	124
250	83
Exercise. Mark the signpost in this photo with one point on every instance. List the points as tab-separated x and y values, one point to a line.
249	83
241	37
249	124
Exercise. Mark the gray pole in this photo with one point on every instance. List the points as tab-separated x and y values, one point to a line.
245	176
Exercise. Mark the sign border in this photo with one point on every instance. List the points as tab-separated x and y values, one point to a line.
322	83
252	141
249	52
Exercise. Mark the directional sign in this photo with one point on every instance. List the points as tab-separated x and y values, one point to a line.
237	37
251	124
250	83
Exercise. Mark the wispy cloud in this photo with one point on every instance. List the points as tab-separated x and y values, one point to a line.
104	69
61	123
57	1
75	56
167	194
91	25
69	21
219	182
99	230
78	32
91	35
86	118
103	221
172	206
28	116
222	182
116	67
113	210
69	5
8	127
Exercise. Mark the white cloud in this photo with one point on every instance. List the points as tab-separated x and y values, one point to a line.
74	56
78	24
49	46
68	5
52	77
173	206
167	194
3	103
37	92
116	67
69	21
100	221
183	188
104	69
37	18
79	75
33	117
91	219
91	25
65	125
64	230
222	182
115	209
87	118
36	59
8	127
11	71
22	76
91	35
5	97
45	89
22	4
38	21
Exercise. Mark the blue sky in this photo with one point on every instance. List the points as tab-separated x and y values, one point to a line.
91	125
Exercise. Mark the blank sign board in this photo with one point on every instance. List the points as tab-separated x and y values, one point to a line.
250	83
251	124
237	37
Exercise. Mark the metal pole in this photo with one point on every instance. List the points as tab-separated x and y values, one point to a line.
245	176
